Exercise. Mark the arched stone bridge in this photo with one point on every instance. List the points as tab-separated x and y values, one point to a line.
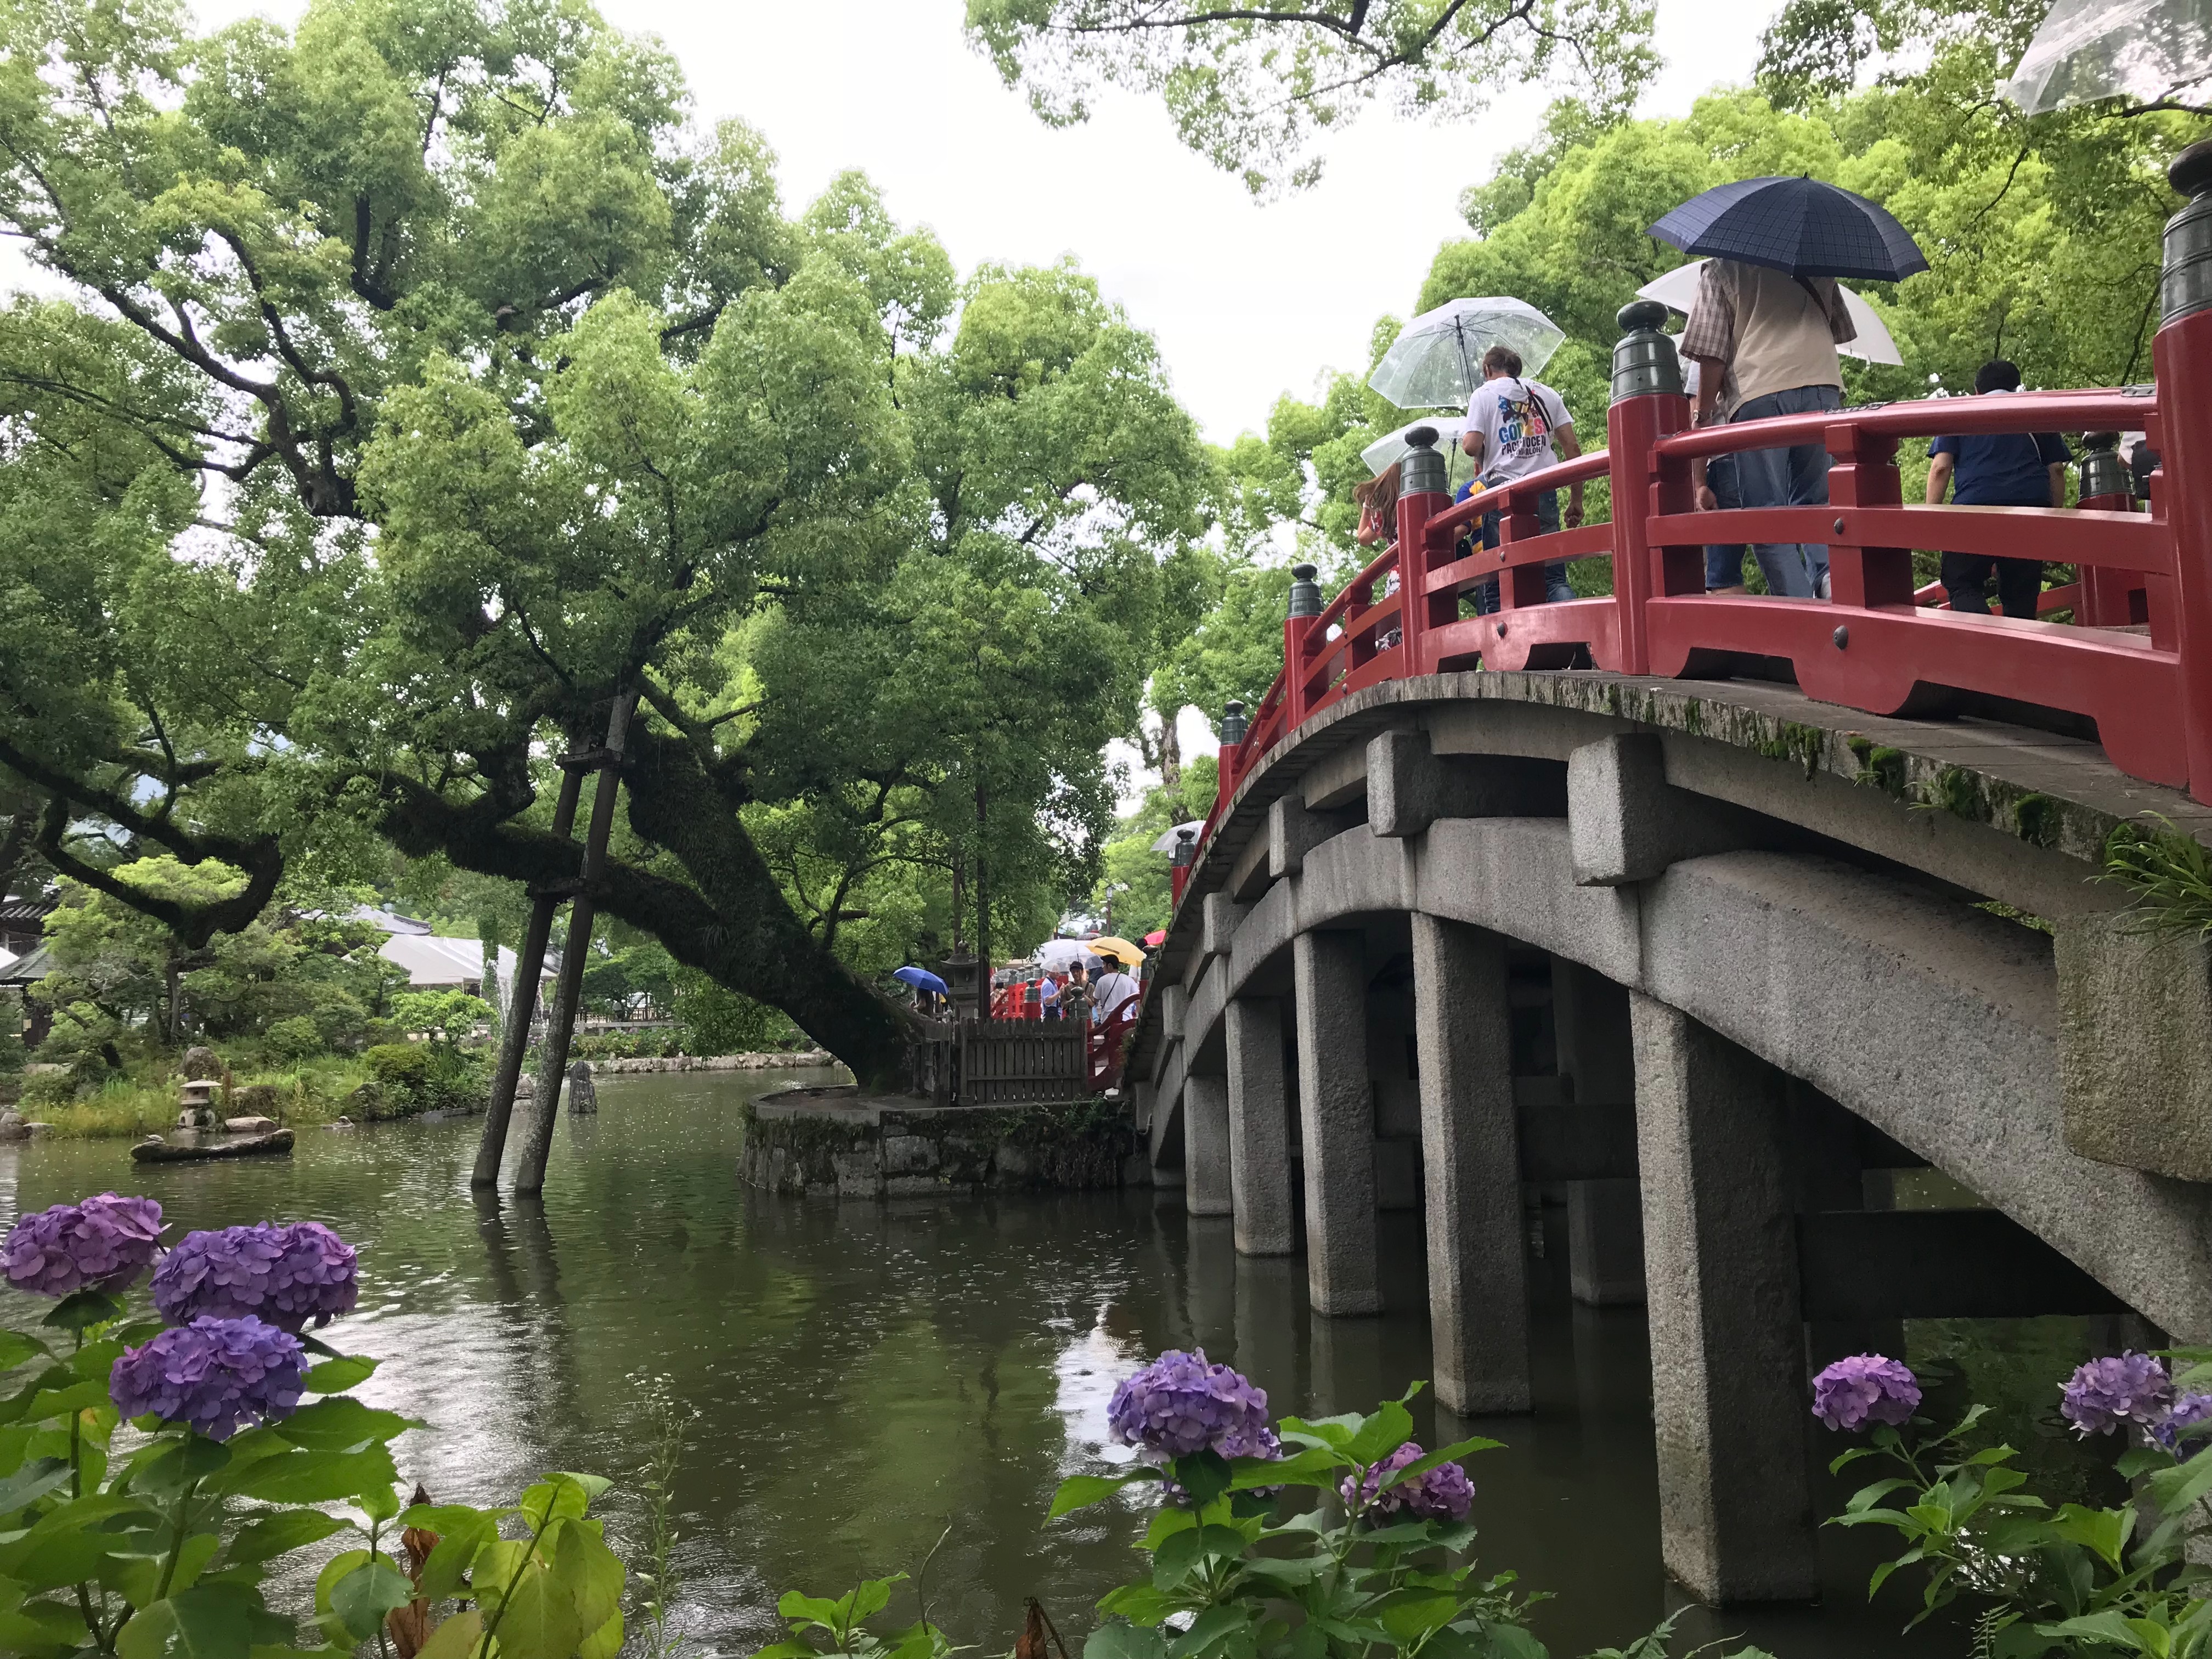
1719	959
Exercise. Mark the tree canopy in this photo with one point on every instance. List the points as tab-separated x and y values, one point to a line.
1250	87
428	382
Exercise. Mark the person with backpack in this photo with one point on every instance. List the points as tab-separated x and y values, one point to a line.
1512	427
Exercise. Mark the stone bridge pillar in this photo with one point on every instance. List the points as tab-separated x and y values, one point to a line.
1337	1122
1205	1147
1259	1127
1728	1399
1471	1170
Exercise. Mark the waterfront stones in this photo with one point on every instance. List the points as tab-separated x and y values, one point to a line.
248	1126
831	1143
583	1094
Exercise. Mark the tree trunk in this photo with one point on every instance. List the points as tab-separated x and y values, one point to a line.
1170	753
731	920
982	886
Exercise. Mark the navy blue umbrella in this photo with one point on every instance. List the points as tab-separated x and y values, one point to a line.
1800	226
922	979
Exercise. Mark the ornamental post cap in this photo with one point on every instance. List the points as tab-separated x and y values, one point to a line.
1232	707
2092	442
1421	437
1304	573
2191	172
1641	314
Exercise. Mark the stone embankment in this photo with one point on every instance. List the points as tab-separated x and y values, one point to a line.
804	1058
833	1143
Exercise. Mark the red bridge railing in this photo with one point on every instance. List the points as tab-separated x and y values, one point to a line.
2137	659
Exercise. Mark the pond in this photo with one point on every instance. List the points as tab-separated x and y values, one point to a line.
869	1377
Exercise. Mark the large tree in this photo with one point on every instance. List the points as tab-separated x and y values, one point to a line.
430	383
1249	87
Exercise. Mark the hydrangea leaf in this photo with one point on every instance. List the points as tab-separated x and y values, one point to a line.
604	1643
209	1621
459	1538
336	1375
32	1482
82	1309
362	1598
1390	1426
1114	1641
1080	1492
342	1424
272	1535
1451	1454
316	1477
456	1639
16	1347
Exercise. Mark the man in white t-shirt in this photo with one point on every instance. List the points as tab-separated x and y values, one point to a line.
1110	988
1512	425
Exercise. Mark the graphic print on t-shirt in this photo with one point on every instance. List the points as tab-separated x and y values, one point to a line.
1522	427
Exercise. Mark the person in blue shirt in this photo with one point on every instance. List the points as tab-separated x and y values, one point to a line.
2010	469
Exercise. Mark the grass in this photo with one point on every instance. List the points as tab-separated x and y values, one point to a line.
311	1093
2170	874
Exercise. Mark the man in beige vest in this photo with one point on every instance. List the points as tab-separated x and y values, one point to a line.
1764	344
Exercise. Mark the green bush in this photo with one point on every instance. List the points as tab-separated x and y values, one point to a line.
398	1065
295	1038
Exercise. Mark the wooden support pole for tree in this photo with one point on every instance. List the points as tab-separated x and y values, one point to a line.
553	1055
528	965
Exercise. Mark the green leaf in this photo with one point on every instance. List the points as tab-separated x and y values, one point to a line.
560	1495
32	1482
1216	1625
593	1575
1412	1619
1173	1561
336	1375
606	1642
1140	1604
1314	1466
272	1535
16	1347
460	1537
1333	1432
2104	1531
83	1310
1113	1641
535	1617
1390	1427
314	1476
342	1424
209	1621
364	1595
1205	1475
1080	1492
456	1637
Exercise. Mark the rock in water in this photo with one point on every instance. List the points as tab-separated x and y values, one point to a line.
583	1094
249	1126
201	1061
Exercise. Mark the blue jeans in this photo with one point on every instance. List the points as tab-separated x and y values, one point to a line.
1795	476
1557	588
1724	561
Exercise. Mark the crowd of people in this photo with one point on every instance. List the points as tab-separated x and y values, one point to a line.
1757	344
1090	991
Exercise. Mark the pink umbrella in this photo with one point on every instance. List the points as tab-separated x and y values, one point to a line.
1156	937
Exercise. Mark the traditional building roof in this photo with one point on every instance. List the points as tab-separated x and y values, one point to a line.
434	963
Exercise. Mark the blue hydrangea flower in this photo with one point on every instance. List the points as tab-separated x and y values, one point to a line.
104	1243
1180	1404
1444	1493
290	1275
2188	1412
217	1375
2128	1388
1867	1387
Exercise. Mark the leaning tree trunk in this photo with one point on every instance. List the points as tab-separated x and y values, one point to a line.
730	920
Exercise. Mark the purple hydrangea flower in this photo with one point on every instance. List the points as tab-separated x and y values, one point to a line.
289	1275
1442	1493
1865	1389
104	1243
2188	1412
218	1374
1179	1404
2128	1388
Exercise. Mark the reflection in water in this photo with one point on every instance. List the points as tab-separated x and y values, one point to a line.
868	1372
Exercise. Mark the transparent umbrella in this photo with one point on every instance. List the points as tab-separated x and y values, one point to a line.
2140	50
1437	362
1678	289
1392	445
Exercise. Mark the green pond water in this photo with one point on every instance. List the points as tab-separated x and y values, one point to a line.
867	1374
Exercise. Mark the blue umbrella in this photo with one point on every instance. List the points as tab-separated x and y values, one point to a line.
922	979
1800	226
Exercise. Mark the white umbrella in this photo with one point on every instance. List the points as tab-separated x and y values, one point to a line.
1437	361
1388	447
1056	956
1678	289
1166	843
2140	50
